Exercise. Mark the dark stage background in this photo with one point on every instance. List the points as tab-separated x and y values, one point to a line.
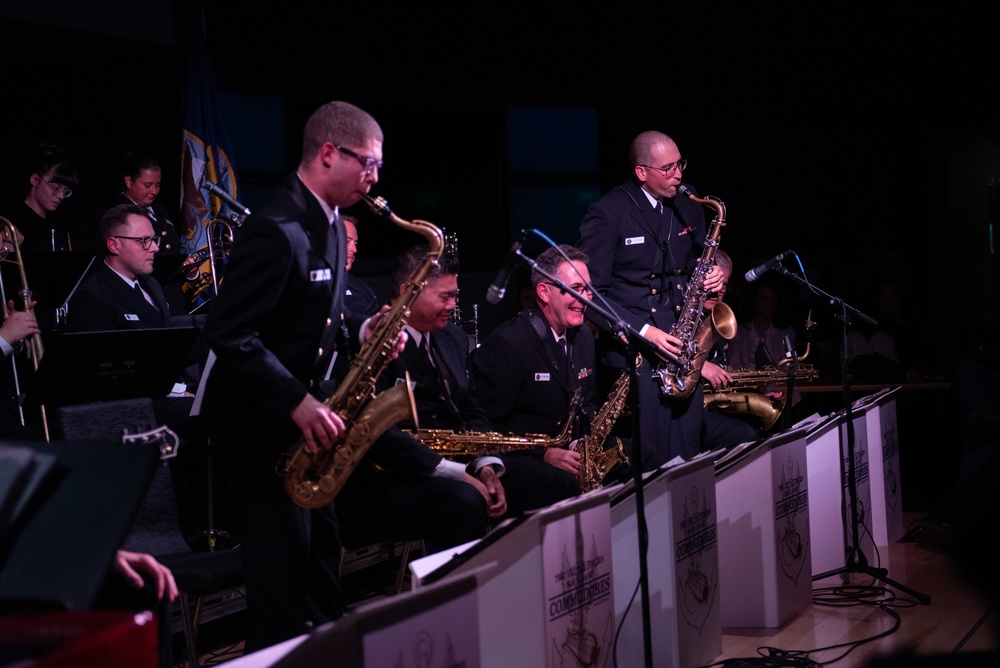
866	141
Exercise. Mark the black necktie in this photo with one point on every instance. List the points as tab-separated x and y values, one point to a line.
760	356
442	372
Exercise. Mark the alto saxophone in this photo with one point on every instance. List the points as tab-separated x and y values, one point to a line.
697	334
477	443
313	479
595	461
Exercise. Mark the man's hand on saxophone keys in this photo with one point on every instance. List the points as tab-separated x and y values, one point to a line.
568	460
716	376
666	342
715	279
321	427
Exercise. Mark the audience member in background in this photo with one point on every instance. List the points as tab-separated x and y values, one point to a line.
897	349
763	338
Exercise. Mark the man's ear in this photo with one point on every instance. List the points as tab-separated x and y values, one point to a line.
328	153
34	180
542	293
112	244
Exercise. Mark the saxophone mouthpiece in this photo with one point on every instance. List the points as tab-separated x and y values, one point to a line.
684	190
378	205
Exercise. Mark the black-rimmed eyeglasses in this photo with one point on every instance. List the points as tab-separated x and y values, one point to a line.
680	166
369	164
145	242
578	288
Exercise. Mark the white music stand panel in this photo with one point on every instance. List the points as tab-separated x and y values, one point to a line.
682	569
829	515
883	459
765	560
545	587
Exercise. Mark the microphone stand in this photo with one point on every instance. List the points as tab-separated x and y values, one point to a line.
629	337
856	560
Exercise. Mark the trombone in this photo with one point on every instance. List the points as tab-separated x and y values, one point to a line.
9	245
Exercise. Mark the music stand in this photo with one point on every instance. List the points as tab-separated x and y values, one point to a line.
58	556
83	367
856	561
51	275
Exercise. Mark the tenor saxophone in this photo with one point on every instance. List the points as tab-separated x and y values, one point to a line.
595	461
697	334
477	443
313	479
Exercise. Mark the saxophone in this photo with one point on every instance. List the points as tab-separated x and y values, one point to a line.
477	443
595	461
697	334
313	479
745	394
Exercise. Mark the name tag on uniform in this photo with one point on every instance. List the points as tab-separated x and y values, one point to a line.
632	241
413	383
318	275
132	316
348	292
541	377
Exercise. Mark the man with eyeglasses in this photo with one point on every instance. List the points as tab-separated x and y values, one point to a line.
526	371
120	292
272	330
51	180
436	356
643	242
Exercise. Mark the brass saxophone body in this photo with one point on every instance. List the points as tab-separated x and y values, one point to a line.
745	394
697	333
478	443
595	460
313	479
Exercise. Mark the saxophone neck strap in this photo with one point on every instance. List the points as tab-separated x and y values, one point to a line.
544	332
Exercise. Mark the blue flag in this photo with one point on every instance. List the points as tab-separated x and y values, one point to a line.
205	160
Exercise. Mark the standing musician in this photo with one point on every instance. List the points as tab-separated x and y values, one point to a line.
643	242
272	330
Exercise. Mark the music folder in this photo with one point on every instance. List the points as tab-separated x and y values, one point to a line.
84	367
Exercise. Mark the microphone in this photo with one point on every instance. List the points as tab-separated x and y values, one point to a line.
498	287
226	197
773	263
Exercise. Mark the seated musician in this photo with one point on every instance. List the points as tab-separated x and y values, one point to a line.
359	298
120	293
525	378
718	430
436	357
